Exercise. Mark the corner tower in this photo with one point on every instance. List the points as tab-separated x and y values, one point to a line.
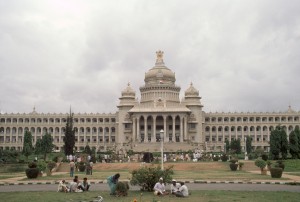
127	101
192	101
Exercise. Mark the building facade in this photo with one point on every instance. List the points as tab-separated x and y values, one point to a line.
141	125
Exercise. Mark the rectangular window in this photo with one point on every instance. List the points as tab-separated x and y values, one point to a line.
193	126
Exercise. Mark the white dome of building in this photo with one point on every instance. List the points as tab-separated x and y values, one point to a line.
159	74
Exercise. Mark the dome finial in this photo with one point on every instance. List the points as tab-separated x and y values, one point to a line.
159	57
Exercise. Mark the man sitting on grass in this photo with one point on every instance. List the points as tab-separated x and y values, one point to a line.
85	185
183	191
159	188
175	186
62	187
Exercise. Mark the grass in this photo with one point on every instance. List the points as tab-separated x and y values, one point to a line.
203	196
193	171
219	175
99	175
292	165
11	175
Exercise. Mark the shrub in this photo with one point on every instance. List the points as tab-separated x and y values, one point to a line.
224	157
51	165
55	159
233	160
41	165
32	165
32	172
81	166
260	163
233	166
280	164
122	188
216	158
146	177
276	172
264	157
252	156
93	158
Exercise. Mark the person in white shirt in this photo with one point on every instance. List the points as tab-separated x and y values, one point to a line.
62	187
74	185
183	191
85	185
159	188
175	186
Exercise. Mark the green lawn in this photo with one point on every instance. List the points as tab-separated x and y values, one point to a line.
220	175
292	165
203	196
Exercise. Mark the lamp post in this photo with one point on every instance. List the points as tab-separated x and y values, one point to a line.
162	148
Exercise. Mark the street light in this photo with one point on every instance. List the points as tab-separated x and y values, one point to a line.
162	148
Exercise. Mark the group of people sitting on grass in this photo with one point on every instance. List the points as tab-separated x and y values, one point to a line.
177	189
74	186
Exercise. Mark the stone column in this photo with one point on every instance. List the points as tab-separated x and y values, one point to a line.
217	136
173	128
138	129
210	134
261	135
181	129
165	128
97	138
153	139
103	134
145	129
133	129
185	128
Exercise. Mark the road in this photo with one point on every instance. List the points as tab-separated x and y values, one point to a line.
191	186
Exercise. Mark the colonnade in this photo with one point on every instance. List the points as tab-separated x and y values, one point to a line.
146	128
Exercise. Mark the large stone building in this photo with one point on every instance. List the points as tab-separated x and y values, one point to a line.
138	125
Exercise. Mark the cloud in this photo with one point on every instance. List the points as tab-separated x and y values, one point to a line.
242	56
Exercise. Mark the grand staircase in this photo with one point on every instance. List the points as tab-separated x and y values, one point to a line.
168	147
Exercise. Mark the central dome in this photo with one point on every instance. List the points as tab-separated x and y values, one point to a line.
160	74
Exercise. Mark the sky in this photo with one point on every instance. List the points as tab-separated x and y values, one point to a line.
242	56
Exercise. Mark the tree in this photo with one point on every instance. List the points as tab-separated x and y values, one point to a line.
27	144
45	145
294	147
284	144
27	150
146	177
227	146
235	146
278	143
87	150
249	144
275	143
69	138
297	131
